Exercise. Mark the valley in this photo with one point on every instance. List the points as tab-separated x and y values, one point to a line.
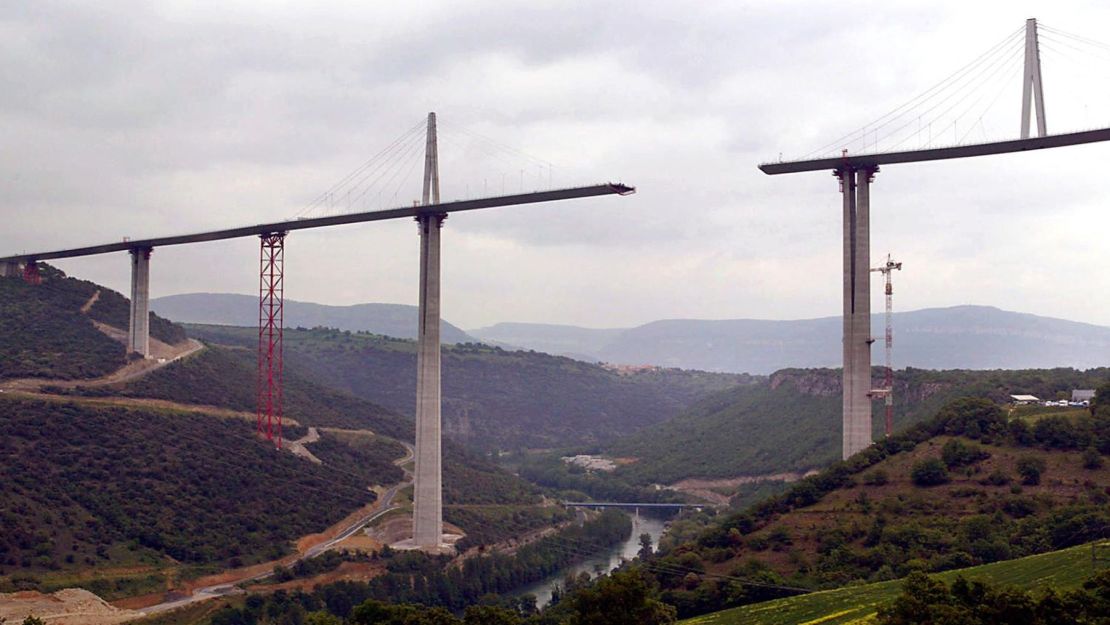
145	483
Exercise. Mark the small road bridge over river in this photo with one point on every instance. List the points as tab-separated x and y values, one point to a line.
429	214
630	505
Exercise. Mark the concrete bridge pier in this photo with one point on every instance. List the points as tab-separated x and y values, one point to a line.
11	269
427	514
138	335
855	185
428	484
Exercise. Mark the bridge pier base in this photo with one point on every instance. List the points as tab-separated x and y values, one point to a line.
138	335
855	186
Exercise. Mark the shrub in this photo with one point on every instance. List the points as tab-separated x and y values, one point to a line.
1092	459
996	478
972	417
956	453
1030	468
988	550
878	477
780	536
1021	434
1019	507
930	472
1057	433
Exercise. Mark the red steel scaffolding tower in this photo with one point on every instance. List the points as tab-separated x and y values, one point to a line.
270	328
887	392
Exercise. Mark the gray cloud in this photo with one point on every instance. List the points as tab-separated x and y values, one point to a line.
135	119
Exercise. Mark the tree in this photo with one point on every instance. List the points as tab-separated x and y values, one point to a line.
490	615
929	472
373	612
1021	434
1057	433
926	601
1030	469
645	551
322	618
622	598
918	602
972	417
1102	399
956	453
33	620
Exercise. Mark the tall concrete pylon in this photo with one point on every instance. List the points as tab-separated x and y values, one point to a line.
1031	85
138	333
428	481
855	185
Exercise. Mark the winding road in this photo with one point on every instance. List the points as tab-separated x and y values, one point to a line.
386	504
166	354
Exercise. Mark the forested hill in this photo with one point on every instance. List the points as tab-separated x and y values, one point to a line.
225	377
792	421
965	337
88	486
494	398
44	332
242	310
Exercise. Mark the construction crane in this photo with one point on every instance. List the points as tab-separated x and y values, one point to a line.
887	392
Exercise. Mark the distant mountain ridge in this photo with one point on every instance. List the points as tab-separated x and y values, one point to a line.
959	337
396	320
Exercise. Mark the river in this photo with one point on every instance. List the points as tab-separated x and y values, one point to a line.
605	561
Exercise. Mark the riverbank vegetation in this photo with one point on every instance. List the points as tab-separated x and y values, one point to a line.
440	589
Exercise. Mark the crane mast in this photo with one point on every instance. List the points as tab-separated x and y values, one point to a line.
887	391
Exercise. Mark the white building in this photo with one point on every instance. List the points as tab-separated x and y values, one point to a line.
1082	394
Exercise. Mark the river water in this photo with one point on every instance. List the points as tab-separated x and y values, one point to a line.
605	561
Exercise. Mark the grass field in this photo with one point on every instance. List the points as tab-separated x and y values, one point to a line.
1032	414
855	605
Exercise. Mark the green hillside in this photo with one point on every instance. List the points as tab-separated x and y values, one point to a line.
93	486
1061	570
44	334
493	398
970	486
399	320
227	377
792	422
119	500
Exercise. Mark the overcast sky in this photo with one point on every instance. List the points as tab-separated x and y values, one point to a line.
144	118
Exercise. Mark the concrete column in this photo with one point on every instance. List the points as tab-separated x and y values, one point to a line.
428	481
861	435
11	269
138	336
855	186
848	193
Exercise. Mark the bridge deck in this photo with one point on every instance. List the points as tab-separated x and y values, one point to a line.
320	222
860	161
